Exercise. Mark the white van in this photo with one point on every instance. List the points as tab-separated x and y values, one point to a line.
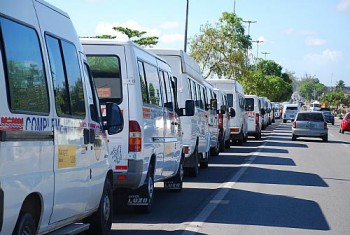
190	86
289	112
53	167
212	118
253	108
265	116
223	119
150	148
235	96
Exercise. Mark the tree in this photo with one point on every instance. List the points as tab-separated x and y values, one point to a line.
131	33
221	49
310	88
340	85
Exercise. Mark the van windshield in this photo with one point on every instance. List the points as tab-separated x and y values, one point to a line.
107	77
249	104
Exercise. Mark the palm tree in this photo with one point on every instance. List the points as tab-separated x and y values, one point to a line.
340	85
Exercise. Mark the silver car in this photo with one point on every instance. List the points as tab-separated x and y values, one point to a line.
310	124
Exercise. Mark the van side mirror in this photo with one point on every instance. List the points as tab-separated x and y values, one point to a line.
189	108
222	109
114	119
232	112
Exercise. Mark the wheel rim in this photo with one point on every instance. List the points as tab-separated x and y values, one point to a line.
182	172
27	230
106	208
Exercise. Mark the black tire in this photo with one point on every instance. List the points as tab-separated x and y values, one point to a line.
25	224
284	121
222	146
294	137
147	191
325	138
227	144
101	220
214	151
257	136
342	131
205	163
193	171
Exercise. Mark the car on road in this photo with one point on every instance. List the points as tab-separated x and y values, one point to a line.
289	112
345	123
310	124
328	115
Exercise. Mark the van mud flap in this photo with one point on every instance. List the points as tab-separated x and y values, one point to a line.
137	200
172	185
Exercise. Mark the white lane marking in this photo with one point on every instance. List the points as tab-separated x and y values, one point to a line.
194	226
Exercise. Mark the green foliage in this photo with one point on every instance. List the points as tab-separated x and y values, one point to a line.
334	98
221	49
340	85
310	88
142	41
105	36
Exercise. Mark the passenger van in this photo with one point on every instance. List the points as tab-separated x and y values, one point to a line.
254	111
53	167
150	148
289	112
265	116
223	119
190	86
235	96
212	118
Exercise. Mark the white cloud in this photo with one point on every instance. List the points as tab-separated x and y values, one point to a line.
343	5
292	31
169	25
323	58
315	41
170	38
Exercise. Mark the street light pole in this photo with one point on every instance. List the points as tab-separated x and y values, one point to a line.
186	27
257	47
249	22
265	53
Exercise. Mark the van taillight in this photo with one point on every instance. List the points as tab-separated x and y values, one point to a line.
294	125
220	121
135	138
257	116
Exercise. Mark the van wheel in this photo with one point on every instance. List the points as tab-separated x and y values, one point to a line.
284	121
227	144
193	171
204	163
101	220
25	224
147	191
294	137
175	183
214	151
257	135
222	146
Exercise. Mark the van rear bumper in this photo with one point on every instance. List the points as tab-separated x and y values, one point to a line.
131	178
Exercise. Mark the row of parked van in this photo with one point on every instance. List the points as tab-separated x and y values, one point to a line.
81	119
175	120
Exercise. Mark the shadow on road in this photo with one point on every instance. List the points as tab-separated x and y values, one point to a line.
269	210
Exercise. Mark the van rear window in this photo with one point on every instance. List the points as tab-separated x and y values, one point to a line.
292	108
249	104
107	77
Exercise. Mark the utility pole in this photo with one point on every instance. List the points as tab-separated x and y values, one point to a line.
234	6
186	27
265	53
257	48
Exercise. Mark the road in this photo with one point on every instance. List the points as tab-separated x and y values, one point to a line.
272	186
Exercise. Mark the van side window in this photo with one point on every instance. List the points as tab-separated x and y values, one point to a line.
167	90
143	82
94	109
67	80
151	80
107	77
25	70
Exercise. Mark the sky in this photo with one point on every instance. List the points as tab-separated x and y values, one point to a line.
304	36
